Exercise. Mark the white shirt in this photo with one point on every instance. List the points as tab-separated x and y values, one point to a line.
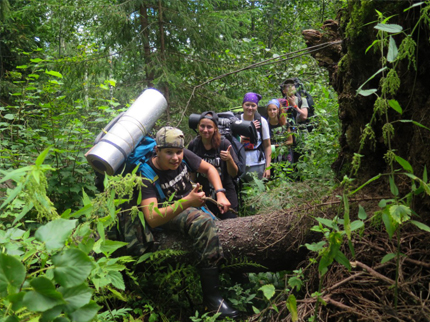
252	156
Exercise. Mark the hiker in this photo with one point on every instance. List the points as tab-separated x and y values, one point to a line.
279	129
217	151
298	110
258	156
188	218
291	101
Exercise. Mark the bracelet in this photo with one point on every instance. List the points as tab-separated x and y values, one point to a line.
220	190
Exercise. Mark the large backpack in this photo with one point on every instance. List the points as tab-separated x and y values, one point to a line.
139	157
225	119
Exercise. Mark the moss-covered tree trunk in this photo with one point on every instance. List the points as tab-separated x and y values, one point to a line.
357	64
376	289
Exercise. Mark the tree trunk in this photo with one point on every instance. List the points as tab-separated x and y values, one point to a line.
269	240
144	24
357	65
162	56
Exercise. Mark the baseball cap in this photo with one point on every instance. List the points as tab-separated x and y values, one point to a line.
170	137
207	115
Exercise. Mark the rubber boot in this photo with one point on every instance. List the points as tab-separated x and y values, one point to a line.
212	298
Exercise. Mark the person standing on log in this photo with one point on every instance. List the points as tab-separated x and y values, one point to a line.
217	151
258	156
187	216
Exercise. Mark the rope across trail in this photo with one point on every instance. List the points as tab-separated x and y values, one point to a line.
273	60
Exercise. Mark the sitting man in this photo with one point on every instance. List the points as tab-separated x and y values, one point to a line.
187	218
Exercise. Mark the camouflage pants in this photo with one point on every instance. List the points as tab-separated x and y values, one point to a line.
200	227
193	222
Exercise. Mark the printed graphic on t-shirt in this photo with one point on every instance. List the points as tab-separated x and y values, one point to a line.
215	161
177	185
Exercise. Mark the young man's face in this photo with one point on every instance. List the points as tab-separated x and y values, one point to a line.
169	158
289	90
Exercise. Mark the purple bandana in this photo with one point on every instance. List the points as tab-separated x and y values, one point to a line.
251	97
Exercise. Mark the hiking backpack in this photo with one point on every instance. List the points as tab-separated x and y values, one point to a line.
225	119
229	126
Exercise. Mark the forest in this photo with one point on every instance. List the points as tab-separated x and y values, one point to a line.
341	237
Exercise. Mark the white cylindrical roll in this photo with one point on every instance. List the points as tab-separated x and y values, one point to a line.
112	150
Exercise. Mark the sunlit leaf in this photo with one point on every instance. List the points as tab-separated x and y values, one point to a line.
72	267
76	296
53	73
55	233
342	259
356	224
393	187
268	291
400	213
326	222
362	213
416	123
420	225
366	92
315	247
396	106
392	50
44	297
405	164
109	246
42	156
388	225
414	5
12	273
391	28
387	258
86	313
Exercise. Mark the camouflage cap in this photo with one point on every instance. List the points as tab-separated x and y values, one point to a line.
170	137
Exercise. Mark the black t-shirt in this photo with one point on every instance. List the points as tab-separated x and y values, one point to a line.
212	156
173	181
278	133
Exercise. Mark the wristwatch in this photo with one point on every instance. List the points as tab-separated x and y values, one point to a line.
220	190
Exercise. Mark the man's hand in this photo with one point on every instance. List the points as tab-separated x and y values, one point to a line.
195	197
292	101
222	200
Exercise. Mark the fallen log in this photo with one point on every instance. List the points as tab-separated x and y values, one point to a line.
271	240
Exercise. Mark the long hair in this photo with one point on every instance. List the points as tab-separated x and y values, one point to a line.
216	137
282	120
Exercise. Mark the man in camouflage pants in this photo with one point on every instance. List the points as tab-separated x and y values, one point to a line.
188	218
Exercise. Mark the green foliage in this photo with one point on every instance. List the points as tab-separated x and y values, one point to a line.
49	270
67	69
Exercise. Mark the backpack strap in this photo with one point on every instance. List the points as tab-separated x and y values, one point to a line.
147	171
299	100
257	117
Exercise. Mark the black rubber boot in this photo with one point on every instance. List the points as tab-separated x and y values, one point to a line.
212	298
